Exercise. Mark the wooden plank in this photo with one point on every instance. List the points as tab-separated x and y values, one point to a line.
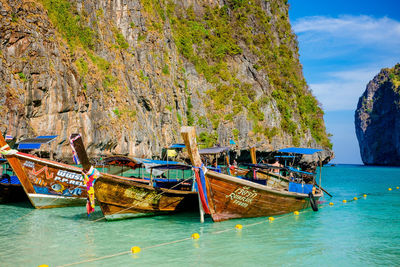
253	155
81	151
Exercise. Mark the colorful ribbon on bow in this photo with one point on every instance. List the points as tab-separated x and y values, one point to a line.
89	178
74	154
7	151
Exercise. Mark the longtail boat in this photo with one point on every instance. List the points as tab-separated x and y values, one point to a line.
48	184
124	197
227	197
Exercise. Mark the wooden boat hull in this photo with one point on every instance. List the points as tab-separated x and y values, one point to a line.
121	198
230	198
48	184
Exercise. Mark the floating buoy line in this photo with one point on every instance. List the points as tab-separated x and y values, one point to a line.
196	236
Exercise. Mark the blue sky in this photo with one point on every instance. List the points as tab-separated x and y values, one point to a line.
343	45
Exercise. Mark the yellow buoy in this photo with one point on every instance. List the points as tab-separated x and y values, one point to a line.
271	219
355	198
195	236
135	249
364	195
344	201
238	226
397	187
43	265
330	203
296	212
390	189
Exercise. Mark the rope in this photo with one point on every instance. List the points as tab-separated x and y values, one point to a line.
125	252
7	151
188	238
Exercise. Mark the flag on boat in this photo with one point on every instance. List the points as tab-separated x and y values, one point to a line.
201	188
9	137
89	178
171	153
74	154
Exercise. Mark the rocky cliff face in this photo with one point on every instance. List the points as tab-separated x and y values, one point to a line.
127	74
377	119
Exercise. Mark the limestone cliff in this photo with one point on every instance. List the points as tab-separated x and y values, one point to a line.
377	119
128	73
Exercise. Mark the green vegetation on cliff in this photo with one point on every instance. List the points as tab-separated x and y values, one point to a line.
395	77
211	38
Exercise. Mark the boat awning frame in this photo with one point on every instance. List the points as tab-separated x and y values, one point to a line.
36	143
299	150
172	167
213	150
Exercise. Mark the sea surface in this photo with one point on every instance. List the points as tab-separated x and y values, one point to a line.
363	232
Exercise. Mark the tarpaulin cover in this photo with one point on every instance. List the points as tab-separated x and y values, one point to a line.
300	188
172	167
29	146
213	150
298	150
122	161
14	180
35	143
148	163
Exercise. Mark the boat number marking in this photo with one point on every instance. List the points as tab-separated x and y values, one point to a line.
61	176
69	177
142	195
242	196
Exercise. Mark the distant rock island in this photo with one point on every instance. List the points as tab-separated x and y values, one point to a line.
377	119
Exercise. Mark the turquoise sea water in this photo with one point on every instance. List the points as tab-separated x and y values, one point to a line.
365	232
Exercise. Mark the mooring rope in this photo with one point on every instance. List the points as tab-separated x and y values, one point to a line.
125	252
269	220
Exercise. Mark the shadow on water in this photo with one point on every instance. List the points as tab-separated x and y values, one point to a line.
98	217
80	216
21	204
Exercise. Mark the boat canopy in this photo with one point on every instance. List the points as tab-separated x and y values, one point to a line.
172	167
298	171
262	166
35	143
154	161
213	150
299	150
148	163
177	146
122	161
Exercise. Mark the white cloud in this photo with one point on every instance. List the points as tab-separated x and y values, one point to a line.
341	55
369	30
341	90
